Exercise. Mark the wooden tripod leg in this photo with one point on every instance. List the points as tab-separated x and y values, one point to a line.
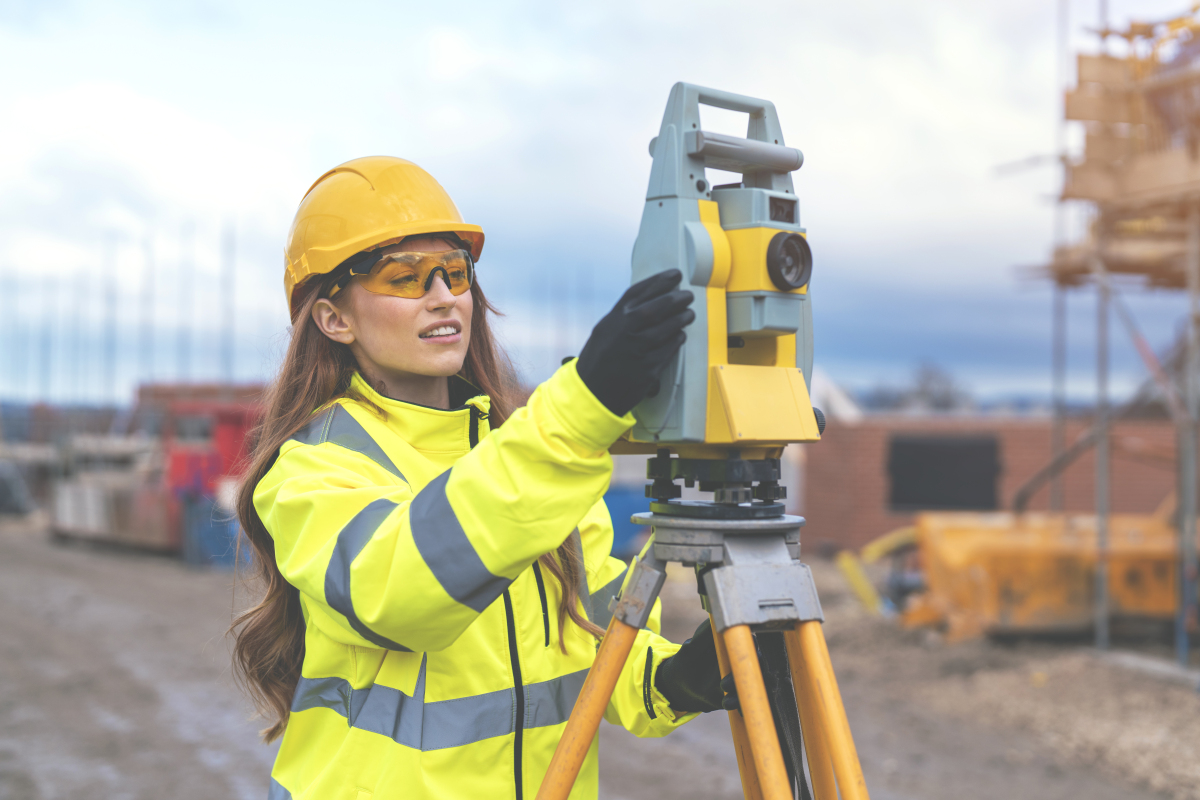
760	725
831	714
820	767
588	711
737	726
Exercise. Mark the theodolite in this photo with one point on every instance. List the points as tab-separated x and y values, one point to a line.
723	411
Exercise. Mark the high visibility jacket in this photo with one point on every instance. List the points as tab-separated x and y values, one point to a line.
432	664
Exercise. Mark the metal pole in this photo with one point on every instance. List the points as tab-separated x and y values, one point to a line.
46	360
562	310
187	265
1058	432
229	297
20	337
148	312
74	357
1102	447
1187	447
110	319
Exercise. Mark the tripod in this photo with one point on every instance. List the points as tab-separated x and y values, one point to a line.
751	581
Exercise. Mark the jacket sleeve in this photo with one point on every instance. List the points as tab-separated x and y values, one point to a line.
636	703
380	565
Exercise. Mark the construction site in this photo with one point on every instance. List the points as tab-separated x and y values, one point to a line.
1009	598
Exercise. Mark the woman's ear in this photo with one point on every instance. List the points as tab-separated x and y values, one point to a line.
333	321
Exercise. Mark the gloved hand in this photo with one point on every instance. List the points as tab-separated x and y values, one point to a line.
632	344
691	679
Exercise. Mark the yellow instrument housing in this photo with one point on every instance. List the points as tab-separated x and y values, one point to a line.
756	394
739	386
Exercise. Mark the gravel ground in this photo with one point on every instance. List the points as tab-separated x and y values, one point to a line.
921	726
114	679
114	683
1056	718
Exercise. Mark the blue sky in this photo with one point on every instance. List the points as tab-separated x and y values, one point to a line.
130	123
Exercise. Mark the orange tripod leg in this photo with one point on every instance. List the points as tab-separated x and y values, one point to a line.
820	766
760	726
737	726
831	714
589	710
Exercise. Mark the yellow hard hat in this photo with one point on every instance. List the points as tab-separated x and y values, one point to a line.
359	205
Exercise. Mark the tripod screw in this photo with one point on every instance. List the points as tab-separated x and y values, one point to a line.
663	490
733	494
769	490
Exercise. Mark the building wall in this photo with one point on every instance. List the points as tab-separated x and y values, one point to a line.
846	484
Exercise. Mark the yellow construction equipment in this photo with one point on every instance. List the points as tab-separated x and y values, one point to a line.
1005	573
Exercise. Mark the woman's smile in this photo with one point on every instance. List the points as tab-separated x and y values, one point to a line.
442	333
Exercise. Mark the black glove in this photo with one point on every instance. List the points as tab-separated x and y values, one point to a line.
691	679
632	344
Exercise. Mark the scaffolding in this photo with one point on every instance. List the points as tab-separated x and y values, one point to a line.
1140	175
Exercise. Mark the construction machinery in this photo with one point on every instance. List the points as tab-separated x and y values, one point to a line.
732	399
137	486
1001	573
1031	572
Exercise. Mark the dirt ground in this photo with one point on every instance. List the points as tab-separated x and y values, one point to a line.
114	683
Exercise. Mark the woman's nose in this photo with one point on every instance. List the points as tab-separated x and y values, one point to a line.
439	294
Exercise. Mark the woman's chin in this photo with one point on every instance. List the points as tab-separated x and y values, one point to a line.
434	368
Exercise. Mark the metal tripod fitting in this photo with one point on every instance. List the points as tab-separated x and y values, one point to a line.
753	574
643	582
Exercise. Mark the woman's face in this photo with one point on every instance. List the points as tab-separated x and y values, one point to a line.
397	339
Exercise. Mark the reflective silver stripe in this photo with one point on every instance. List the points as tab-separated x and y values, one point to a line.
277	792
316	430
336	425
412	722
350	542
597	602
550	702
447	551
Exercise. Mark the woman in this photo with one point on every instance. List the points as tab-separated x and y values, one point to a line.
435	562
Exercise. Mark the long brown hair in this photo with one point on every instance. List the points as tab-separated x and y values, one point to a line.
269	636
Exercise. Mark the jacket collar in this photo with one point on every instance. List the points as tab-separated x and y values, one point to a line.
433	429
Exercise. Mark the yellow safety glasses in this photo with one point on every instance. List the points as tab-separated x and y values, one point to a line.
411	274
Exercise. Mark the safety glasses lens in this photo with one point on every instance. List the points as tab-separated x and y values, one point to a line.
412	274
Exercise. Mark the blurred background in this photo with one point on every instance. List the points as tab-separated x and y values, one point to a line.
1001	200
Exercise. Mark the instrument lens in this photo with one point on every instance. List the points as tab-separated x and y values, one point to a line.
789	261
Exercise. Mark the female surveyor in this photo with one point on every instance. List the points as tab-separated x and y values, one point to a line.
435	561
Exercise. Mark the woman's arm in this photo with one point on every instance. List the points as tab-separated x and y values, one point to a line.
636	705
410	571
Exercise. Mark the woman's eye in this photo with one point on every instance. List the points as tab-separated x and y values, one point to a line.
403	279
458	274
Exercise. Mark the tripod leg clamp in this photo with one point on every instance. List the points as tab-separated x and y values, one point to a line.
770	595
642	585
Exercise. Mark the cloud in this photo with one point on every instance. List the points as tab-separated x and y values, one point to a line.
142	121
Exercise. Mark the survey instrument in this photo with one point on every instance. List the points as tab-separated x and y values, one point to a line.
723	410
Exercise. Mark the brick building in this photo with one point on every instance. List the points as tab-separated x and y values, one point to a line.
866	478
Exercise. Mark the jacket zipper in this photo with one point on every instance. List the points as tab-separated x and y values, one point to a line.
537	573
510	618
519	687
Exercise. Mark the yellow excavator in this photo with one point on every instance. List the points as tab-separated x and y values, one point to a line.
1019	571
1003	573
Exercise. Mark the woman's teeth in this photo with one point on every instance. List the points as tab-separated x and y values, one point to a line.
445	330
